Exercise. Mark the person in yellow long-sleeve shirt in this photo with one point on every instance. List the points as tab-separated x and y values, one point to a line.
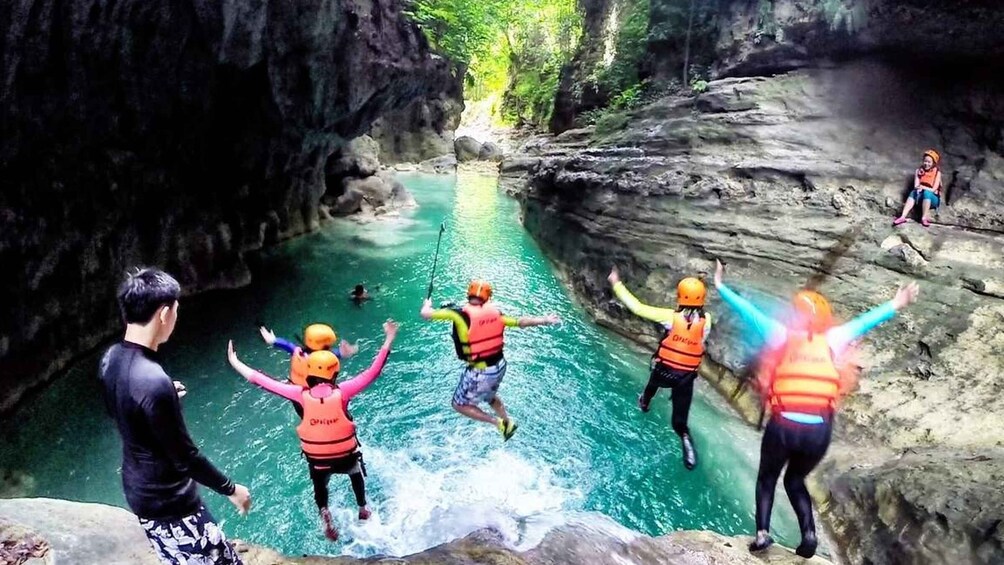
675	362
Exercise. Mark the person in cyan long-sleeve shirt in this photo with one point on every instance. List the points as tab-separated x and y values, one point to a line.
802	381
327	432
160	463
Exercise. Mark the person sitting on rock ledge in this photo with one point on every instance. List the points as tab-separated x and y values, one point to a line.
926	189
802	376
675	362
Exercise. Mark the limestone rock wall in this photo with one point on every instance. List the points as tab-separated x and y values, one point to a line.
796	178
179	135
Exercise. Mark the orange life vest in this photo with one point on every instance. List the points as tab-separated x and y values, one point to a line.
928	178
485	333
806	378
326	431
682	348
298	367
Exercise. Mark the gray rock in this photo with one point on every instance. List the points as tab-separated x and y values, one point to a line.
423	130
490	152
360	158
444	165
466	148
82	533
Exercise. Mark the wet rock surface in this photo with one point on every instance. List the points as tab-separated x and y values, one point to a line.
94	533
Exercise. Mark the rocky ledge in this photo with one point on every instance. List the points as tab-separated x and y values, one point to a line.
795	179
70	532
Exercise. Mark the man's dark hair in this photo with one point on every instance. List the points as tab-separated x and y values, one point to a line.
360	289
143	292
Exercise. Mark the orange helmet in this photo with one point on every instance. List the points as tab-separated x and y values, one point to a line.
690	292
479	289
322	365
319	336
934	155
813	309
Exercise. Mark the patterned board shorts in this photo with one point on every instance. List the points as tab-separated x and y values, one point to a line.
192	540
479	385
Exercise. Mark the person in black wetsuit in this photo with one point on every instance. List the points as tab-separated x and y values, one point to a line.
160	463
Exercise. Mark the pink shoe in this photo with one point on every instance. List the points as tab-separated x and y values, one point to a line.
329	531
364	513
899	221
926	222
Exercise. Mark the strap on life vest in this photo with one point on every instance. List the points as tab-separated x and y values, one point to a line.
326	430
682	348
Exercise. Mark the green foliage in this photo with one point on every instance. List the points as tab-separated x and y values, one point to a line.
766	23
698	86
609	122
514	49
621	72
461	29
844	14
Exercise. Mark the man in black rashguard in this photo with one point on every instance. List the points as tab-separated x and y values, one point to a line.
160	463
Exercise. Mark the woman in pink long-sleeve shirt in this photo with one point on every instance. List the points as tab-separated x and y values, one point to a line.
327	433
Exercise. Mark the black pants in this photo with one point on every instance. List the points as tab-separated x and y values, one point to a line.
321	471
801	447
682	384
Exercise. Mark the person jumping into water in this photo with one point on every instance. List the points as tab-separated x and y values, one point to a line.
161	466
675	363
801	384
478	335
316	337
327	433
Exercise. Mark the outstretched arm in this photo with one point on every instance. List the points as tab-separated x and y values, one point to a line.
277	342
357	384
652	313
285	390
769	329
531	321
841	336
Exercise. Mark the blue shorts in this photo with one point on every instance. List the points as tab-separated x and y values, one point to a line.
921	194
479	385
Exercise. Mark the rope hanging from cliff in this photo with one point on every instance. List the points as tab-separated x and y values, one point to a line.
435	261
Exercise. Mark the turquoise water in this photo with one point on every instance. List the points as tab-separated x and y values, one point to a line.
584	452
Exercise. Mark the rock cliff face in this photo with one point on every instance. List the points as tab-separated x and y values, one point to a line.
181	136
93	533
424	128
797	177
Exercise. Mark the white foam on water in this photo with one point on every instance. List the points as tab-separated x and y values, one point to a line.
443	494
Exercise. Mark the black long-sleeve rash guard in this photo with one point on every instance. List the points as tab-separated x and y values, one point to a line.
160	463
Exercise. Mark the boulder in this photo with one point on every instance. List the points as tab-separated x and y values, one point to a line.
466	148
490	152
360	158
81	533
444	165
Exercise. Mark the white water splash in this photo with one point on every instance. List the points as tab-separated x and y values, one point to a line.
422	507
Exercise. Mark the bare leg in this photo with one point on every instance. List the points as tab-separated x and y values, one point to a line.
925	208
499	408
475	413
907	207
